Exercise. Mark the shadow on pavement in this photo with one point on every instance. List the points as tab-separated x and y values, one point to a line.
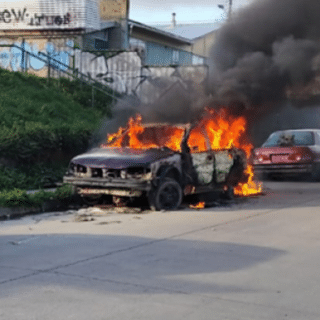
116	262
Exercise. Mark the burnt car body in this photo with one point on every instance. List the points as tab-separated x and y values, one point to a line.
160	173
289	152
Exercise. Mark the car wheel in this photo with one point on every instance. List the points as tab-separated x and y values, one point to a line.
167	196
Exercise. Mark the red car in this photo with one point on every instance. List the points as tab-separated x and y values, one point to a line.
289	152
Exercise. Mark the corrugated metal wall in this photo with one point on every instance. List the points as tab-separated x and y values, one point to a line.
159	55
126	74
185	58
49	14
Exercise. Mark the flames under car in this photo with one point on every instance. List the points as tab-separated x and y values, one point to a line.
161	174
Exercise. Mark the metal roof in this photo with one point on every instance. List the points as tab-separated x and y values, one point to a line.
159	31
190	31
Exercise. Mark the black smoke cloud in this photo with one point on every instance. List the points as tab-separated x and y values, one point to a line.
262	50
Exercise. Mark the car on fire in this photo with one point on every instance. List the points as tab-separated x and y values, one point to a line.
164	170
289	152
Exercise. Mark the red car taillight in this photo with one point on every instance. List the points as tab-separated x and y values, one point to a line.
258	157
305	156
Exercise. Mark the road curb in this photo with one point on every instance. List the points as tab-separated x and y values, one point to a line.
18	212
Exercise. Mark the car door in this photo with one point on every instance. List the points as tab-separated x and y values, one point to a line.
203	164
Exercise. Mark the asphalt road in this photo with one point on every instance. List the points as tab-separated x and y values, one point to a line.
255	258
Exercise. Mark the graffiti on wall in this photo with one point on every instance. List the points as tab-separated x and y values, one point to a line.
125	73
33	19
121	71
12	58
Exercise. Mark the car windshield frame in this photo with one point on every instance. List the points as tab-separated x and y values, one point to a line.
290	139
152	129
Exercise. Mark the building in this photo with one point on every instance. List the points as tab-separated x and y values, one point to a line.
56	28
156	47
201	36
97	38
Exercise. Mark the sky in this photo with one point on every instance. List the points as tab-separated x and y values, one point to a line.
187	11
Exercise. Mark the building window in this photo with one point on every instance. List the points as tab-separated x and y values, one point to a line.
100	44
197	60
175	57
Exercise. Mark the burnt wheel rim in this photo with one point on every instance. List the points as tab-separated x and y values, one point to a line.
169	197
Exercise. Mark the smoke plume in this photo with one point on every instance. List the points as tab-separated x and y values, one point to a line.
263	50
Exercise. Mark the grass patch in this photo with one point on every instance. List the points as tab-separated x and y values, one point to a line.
36	121
41	128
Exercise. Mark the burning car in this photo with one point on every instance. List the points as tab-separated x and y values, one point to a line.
162	162
289	152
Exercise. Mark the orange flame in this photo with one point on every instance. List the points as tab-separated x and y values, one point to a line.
140	136
216	129
199	205
251	187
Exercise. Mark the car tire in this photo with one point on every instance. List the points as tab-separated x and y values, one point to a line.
166	196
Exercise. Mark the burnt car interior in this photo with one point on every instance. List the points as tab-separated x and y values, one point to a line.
182	164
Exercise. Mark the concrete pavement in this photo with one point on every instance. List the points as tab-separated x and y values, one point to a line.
254	259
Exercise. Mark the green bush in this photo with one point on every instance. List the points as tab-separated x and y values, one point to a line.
32	176
20	198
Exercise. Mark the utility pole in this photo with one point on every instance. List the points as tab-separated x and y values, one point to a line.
222	6
230	9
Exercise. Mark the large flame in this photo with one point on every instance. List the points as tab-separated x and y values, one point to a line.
140	136
216	129
249	188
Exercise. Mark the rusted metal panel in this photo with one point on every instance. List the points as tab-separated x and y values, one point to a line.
114	9
49	14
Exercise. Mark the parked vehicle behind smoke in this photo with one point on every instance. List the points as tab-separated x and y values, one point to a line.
162	174
289	152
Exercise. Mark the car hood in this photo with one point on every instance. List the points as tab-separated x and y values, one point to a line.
119	158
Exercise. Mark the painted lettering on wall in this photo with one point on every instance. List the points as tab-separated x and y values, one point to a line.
8	16
13	59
